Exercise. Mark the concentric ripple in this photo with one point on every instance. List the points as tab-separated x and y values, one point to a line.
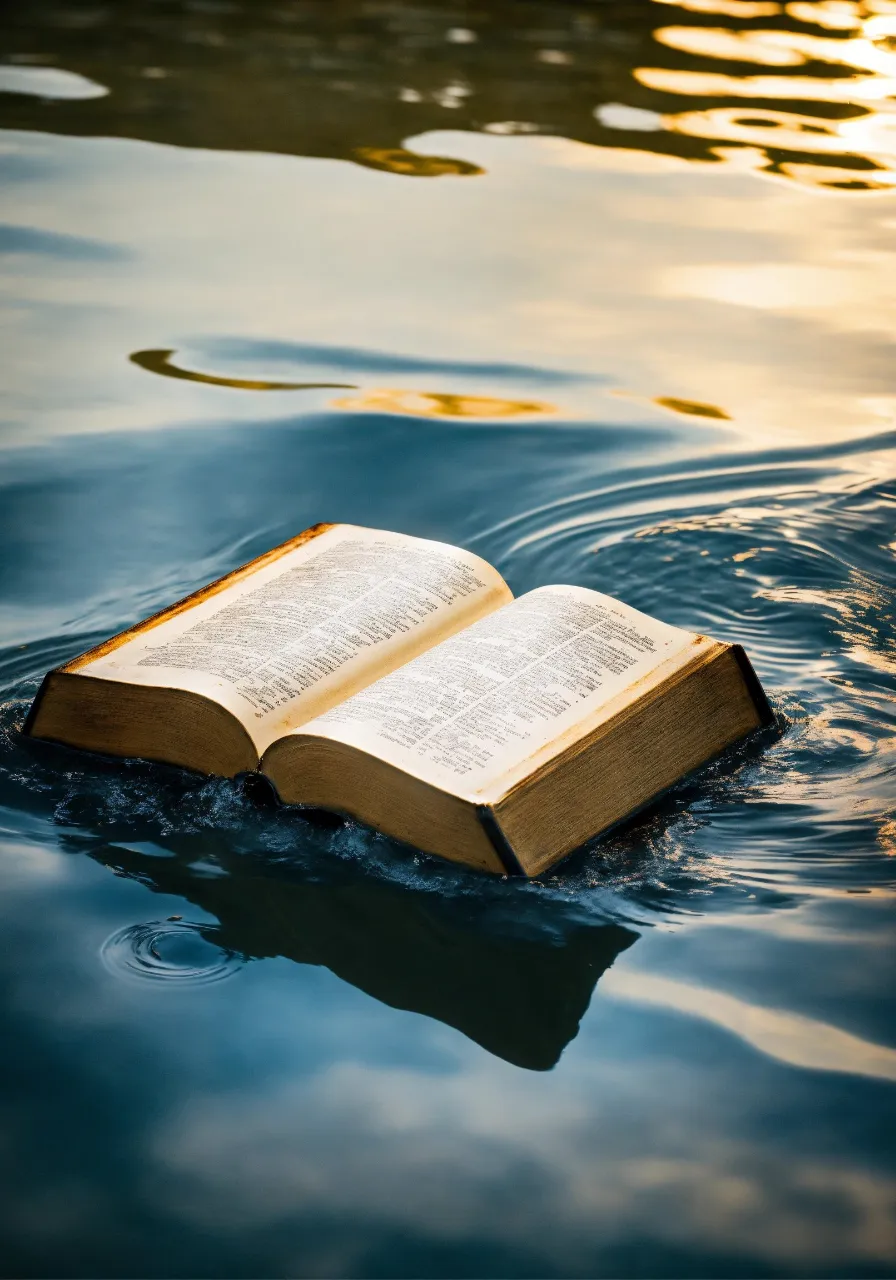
174	951
796	562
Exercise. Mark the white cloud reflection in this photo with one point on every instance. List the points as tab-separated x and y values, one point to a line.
789	1037
495	1156
49	82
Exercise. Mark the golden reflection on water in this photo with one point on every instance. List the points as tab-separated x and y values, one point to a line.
739	46
729	8
691	408
615	81
159	361
848	144
409	164
713	84
705	247
785	48
677	404
763	126
835	15
419	404
432	404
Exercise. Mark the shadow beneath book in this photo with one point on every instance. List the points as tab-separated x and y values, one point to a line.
518	987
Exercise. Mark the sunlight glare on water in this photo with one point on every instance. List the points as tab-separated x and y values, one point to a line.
604	291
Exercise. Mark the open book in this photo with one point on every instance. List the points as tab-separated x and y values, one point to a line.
396	680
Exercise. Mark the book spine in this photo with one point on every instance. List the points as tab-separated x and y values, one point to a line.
501	845
31	717
754	688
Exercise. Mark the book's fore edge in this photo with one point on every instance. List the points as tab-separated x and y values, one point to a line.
754	687
701	655
106	755
501	845
658	796
187	602
763	710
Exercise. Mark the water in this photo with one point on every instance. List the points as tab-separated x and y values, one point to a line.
605	292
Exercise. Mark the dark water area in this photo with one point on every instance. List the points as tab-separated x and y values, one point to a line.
606	293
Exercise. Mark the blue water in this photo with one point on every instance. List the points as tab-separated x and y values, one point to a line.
606	293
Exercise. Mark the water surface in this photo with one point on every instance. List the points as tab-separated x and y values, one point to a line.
605	292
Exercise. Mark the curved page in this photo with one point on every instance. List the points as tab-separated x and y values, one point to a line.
486	701
312	627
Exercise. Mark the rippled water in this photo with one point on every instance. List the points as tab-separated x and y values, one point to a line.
606	292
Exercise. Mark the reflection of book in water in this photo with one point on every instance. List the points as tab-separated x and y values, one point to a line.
518	988
397	680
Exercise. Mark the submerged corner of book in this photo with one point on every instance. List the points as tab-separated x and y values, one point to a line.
504	850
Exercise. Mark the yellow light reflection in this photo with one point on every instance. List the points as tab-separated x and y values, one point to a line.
419	404
433	404
159	361
728	8
736	46
855	149
874	52
882	29
784	48
711	84
835	15
409	164
762	126
830	178
677	404
691	408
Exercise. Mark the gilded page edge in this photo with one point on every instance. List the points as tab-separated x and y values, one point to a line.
195	598
36	706
718	649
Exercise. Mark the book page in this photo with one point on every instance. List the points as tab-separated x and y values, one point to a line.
483	702
312	627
